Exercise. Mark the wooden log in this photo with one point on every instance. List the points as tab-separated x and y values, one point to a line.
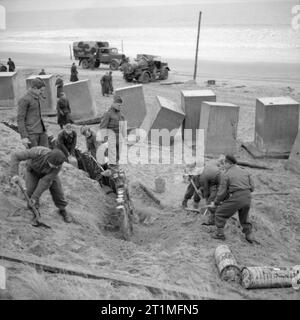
170	83
88	121
150	194
270	194
120	279
253	165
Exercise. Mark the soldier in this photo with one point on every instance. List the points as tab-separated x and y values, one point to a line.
43	166
90	139
234	194
42	73
66	141
111	87
112	127
74	73
30	123
11	65
105	84
59	83
194	175
63	111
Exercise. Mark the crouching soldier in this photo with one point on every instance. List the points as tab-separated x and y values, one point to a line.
234	194
43	166
193	189
66	142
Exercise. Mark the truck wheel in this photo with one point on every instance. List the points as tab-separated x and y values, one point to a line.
114	65
164	74
97	64
144	77
85	64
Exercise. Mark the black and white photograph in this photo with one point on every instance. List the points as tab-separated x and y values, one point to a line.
149	151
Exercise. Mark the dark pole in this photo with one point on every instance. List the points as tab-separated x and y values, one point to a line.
196	56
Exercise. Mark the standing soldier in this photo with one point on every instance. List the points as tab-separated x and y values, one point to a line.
112	127
42	73
90	139
43	166
63	110
11	65
74	73
105	84
30	123
111	87
59	83
234	194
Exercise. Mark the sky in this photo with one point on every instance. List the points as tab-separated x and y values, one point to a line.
38	5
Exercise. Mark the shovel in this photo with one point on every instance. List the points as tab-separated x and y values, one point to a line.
36	222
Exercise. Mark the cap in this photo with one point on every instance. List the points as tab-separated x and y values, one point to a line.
56	157
118	99
117	106
230	158
37	83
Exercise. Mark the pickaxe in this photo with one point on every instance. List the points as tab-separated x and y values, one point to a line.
36	222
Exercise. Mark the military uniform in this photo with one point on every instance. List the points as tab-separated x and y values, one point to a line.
105	85
111	120
67	142
63	112
74	74
30	122
207	184
39	175
234	195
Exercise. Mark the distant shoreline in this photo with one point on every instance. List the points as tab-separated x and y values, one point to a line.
257	71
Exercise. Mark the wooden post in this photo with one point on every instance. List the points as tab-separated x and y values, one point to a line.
196	56
70	52
122	47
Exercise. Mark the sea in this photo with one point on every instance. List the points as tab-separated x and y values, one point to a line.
242	31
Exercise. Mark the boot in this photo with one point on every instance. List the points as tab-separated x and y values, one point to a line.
66	216
211	220
184	204
248	233
196	205
219	234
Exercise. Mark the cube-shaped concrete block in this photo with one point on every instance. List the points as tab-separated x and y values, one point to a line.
191	101
219	122
276	124
80	96
134	104
8	89
166	118
293	163
48	105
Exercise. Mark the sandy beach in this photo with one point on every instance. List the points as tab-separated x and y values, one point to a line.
173	247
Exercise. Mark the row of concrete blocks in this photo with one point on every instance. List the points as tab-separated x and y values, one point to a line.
79	94
277	132
276	120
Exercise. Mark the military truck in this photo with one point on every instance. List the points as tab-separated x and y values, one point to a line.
145	68
92	53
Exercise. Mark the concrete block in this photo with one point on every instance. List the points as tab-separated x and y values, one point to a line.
219	122
276	124
134	104
81	98
293	163
48	105
8	89
165	115
191	101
